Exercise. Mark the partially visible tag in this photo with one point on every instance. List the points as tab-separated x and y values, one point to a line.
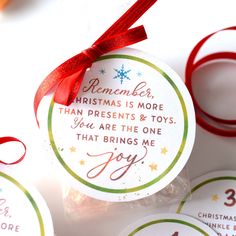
23	211
213	201
168	225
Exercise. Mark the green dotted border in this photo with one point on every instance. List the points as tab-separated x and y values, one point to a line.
30	198
138	188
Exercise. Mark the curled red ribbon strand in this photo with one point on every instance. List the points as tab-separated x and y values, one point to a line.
224	126
68	77
12	139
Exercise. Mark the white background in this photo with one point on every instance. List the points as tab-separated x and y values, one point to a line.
38	35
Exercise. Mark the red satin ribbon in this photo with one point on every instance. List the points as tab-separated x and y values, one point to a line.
12	139
68	77
224	126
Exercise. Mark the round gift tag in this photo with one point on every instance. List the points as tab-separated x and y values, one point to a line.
168	225
23	212
213	200
130	130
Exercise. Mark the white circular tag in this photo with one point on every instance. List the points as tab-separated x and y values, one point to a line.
213	201
168	225
130	130
23	212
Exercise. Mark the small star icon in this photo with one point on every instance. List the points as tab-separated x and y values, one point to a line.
72	149
139	74
215	198
164	151
153	166
82	162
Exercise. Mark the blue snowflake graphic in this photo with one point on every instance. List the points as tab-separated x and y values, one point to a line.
102	71
122	74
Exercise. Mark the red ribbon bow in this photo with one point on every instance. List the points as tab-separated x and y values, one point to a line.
68	77
12	139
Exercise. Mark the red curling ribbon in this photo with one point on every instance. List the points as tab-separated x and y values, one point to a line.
67	78
12	139
224	127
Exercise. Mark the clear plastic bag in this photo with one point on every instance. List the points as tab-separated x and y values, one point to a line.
79	206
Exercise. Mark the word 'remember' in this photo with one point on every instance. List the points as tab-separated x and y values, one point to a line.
139	90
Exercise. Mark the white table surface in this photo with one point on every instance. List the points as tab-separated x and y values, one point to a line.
38	35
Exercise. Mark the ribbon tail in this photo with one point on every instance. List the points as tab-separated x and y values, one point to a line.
128	18
68	88
123	39
45	87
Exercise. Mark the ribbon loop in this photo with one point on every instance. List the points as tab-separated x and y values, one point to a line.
223	127
12	139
